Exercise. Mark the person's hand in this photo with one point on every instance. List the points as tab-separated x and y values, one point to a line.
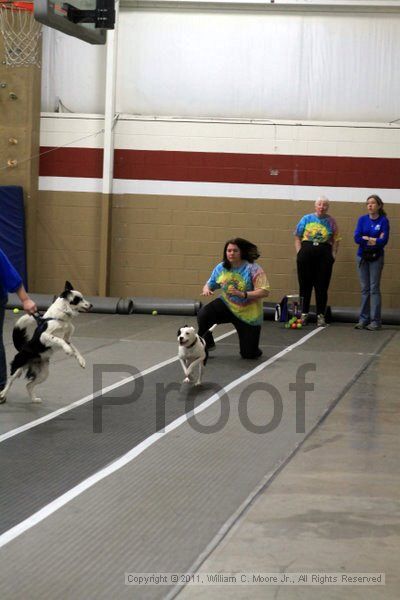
232	291
206	291
371	241
29	306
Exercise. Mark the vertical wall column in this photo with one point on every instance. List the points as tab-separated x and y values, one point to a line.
19	143
108	158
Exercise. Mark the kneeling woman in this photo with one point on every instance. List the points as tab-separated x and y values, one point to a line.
243	284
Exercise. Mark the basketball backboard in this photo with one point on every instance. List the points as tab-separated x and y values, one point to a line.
87	20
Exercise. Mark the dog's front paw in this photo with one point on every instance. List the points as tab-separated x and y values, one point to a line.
36	400
198	383
2	397
186	380
82	362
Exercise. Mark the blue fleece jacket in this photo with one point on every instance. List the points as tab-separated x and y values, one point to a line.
377	228
10	280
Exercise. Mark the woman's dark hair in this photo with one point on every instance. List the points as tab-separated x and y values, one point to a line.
379	202
248	251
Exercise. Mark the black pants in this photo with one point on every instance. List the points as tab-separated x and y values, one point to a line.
217	312
314	270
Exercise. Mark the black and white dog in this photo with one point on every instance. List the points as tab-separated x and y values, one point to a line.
36	338
192	352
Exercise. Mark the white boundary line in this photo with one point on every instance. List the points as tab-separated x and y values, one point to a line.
62	500
64	409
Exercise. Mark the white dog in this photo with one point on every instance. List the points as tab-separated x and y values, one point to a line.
192	351
36	338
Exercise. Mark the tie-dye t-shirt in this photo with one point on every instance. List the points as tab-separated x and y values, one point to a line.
247	277
311	228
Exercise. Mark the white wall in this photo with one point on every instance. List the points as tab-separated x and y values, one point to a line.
168	137
73	72
340	67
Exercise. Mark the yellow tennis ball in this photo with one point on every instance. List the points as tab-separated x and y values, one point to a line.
15	311
154	312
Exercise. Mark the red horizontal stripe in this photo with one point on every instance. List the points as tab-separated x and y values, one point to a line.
71	162
223	167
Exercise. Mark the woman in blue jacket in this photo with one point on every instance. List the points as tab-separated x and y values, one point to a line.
371	235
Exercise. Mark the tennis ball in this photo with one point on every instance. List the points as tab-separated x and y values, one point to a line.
154	312
15	311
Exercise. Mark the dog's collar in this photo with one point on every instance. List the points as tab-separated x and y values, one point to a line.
191	345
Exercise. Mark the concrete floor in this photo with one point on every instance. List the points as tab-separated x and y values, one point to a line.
334	508
322	500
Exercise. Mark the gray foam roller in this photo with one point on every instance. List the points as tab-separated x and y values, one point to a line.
165	306
125	306
103	304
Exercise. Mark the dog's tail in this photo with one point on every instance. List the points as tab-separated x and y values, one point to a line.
19	338
21	359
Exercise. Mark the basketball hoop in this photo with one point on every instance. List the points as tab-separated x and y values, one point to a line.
21	33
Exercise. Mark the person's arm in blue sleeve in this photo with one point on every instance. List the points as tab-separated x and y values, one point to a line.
10	278
11	281
358	234
383	238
